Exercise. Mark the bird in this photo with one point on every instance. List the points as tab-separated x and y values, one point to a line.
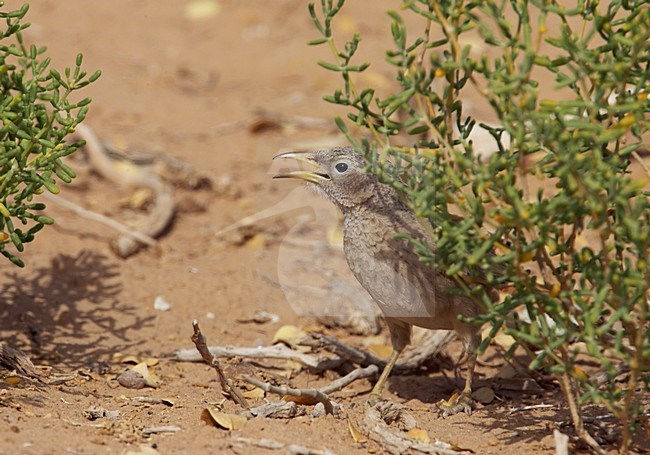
408	291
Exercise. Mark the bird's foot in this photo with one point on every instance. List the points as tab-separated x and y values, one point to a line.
458	402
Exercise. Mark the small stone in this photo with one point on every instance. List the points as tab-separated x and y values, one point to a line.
318	411
161	304
132	380
484	395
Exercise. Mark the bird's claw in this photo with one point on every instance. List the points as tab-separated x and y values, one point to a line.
458	402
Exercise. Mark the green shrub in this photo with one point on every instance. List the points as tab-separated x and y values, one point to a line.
37	116
552	193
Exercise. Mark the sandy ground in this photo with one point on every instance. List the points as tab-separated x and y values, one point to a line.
188	89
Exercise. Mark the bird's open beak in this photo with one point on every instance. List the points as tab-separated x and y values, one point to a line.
315	175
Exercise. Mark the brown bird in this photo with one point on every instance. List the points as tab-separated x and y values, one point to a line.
408	291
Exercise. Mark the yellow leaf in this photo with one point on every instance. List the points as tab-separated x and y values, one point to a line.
555	290
223	419
3	211
118	357
300	399
381	350
580	374
150	378
503	340
140	198
257	242
254	394
288	334
526	257
356	434
12	380
151	361
419	435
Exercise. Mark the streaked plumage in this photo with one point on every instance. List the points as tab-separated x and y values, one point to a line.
408	291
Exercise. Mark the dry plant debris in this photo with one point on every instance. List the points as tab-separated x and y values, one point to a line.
226	384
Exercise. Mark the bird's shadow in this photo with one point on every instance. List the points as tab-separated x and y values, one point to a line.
68	313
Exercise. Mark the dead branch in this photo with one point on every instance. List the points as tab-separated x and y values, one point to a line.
314	394
431	344
561	442
426	345
226	384
277	351
15	360
569	392
645	167
98	217
530	408
163	429
396	441
349	378
129	174
319	341
276	410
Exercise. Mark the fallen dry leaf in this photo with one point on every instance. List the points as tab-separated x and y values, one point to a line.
254	393
356	434
134	359
300	399
257	242
13	380
289	335
381	350
223	419
418	434
150	378
579	374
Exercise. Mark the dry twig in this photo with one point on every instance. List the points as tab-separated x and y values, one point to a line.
316	395
129	174
18	361
226	384
431	344
374	425
163	429
277	351
359	373
98	217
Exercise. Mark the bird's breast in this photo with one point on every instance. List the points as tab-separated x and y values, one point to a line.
390	270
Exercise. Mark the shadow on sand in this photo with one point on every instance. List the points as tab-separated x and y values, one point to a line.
68	313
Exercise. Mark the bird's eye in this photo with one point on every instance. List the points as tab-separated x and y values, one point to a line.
341	167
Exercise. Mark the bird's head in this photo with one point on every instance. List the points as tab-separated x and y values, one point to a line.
338	173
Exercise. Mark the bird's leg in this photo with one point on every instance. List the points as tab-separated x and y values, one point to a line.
463	402
375	394
400	337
